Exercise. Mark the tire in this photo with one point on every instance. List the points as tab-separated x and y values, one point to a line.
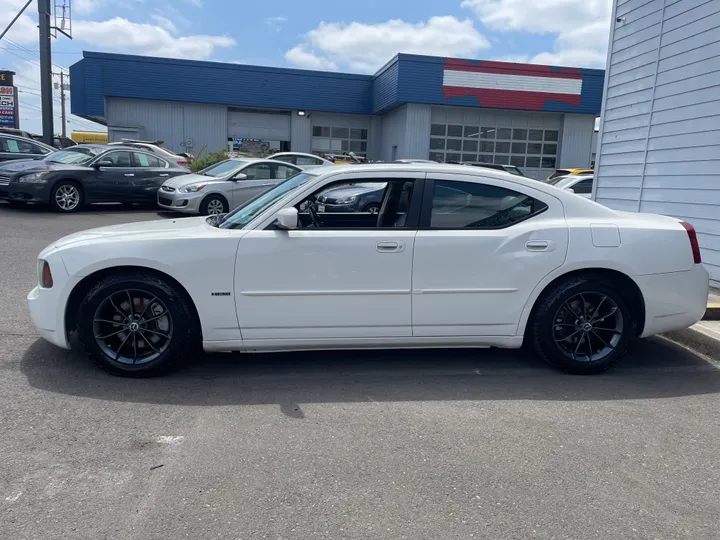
559	328
212	202
373	208
105	331
73	198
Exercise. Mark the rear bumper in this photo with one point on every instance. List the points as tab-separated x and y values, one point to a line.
674	301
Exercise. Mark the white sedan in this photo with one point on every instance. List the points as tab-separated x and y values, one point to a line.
302	160
580	184
456	257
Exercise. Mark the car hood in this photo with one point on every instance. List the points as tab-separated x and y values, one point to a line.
188	179
143	230
32	165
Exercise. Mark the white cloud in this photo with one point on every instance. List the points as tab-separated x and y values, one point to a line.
581	26
25	28
146	39
366	47
276	23
83	7
164	23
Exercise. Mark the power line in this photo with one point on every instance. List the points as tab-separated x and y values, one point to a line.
25	49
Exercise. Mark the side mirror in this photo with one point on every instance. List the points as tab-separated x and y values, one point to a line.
571	190
103	163
286	219
239	176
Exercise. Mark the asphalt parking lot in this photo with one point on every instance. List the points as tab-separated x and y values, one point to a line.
406	444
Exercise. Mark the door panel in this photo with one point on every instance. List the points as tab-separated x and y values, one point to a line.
260	177
476	281
306	284
114	183
150	173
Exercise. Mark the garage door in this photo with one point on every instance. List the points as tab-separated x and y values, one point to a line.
258	125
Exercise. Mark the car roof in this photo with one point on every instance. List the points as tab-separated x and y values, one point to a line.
262	160
298	154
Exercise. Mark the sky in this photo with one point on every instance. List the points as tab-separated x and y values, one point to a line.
339	35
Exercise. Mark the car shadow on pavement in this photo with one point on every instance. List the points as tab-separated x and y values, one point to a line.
654	368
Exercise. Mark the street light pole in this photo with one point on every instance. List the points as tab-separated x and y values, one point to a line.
46	89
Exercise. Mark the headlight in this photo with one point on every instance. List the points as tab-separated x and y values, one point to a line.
347	200
191	189
34	178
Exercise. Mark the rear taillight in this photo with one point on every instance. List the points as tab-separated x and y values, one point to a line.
46	280
692	235
182	163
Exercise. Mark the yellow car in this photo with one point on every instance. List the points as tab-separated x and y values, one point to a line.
567	172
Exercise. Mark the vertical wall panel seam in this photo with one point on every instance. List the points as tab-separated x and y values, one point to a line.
652	107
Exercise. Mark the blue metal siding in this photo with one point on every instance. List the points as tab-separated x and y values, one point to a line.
385	88
405	79
209	82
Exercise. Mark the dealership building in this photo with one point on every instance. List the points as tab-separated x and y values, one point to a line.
535	117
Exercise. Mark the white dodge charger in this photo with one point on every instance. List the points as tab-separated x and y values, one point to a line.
456	257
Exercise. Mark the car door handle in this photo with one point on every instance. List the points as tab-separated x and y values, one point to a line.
537	245
129	174
388	247
265	185
164	174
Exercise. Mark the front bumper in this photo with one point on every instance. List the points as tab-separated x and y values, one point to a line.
37	193
47	306
188	203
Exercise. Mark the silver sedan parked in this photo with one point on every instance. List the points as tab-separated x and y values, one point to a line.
223	186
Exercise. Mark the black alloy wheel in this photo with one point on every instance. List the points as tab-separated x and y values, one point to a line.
582	325
136	325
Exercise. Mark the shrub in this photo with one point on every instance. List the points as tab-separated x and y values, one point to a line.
204	161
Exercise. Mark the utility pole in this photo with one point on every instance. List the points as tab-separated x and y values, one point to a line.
46	86
62	101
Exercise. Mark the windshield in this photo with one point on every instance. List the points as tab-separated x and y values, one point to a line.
74	155
223	168
242	215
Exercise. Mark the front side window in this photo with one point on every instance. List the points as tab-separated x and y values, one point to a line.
117	159
358	205
471	205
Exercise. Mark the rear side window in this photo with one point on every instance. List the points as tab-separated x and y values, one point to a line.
469	205
583	187
20	146
145	160
306	160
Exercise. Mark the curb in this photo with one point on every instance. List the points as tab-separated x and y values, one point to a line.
712	313
699	339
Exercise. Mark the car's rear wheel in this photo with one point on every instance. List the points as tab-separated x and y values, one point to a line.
582	325
213	204
136	325
66	196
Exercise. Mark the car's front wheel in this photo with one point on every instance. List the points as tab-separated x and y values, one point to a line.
66	196
136	325
582	325
372	208
213	204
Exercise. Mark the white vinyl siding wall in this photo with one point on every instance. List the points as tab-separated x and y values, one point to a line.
659	144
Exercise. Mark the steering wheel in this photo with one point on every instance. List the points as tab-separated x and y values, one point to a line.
313	215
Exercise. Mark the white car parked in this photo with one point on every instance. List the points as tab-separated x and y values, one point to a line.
223	186
457	257
580	184
304	161
155	148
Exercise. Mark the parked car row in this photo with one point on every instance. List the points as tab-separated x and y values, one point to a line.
144	173
59	142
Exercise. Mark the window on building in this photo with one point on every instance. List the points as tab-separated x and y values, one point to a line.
338	139
469	205
521	147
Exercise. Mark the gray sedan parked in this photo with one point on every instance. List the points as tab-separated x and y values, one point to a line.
14	147
223	186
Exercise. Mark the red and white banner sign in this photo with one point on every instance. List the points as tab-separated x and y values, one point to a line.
510	86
